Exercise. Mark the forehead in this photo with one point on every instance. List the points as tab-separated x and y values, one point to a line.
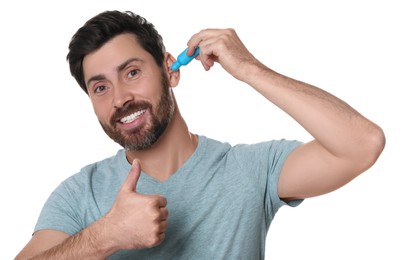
113	53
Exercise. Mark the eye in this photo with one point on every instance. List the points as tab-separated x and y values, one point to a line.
133	73
99	89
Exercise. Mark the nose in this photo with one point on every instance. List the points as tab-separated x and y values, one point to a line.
121	95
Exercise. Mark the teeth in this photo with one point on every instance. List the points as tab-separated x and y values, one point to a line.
132	117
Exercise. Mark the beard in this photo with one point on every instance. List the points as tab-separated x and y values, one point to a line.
144	136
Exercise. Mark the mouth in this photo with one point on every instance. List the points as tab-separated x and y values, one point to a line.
132	117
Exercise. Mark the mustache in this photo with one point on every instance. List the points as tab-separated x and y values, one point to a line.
129	108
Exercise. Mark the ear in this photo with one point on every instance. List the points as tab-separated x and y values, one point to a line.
173	76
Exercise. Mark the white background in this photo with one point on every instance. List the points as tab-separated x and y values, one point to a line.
349	48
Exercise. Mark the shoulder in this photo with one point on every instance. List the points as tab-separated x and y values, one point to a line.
266	154
94	171
271	147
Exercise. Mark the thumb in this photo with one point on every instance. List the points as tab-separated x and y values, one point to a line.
133	176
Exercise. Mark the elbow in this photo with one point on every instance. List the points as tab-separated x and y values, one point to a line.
373	145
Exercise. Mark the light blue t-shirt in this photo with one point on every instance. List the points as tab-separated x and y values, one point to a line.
221	201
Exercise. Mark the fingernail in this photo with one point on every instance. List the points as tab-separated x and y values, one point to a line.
135	162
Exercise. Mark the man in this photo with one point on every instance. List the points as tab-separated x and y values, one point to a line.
173	194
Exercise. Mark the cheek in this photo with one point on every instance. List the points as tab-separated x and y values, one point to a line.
148	91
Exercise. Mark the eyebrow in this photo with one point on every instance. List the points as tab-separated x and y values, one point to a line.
120	68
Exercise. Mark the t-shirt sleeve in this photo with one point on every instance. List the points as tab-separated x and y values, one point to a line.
61	210
280	150
264	162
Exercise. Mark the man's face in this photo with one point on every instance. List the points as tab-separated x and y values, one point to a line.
129	92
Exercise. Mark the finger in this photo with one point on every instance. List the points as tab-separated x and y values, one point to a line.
161	201
195	41
207	59
133	176
163	213
161	237
208	62
197	38
209	51
163	227
191	50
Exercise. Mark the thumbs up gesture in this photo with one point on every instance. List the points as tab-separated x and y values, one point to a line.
136	220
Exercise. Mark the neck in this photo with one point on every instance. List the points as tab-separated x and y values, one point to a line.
170	151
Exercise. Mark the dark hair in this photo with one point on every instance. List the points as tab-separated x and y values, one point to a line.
105	26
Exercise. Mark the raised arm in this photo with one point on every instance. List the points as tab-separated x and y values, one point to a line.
345	142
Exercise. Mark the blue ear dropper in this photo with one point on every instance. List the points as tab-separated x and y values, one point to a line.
183	59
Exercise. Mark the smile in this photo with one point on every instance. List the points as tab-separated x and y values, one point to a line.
132	117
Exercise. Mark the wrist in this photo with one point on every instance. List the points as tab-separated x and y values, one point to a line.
100	240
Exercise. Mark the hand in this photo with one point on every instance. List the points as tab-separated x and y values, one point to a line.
137	220
225	47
